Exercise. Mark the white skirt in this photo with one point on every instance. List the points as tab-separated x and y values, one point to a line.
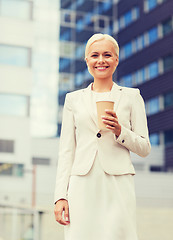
101	206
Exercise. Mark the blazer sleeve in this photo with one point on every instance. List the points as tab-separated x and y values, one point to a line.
66	151
136	139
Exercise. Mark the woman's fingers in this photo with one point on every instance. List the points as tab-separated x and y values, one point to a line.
111	123
111	112
66	213
62	205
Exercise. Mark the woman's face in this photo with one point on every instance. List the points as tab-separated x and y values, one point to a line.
102	59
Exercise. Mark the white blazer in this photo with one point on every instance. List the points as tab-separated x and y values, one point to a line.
79	142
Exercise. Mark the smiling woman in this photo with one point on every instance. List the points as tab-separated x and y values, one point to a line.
94	193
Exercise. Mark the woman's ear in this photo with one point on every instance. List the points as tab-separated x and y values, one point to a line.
117	60
86	60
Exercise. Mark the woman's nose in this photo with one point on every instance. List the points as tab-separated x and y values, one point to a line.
101	59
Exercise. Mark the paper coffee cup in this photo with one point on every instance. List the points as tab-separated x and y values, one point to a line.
101	106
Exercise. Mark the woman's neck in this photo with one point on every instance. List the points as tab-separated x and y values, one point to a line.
102	86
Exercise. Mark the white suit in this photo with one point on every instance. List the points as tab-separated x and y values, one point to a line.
79	141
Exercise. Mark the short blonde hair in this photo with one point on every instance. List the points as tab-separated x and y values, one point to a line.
98	37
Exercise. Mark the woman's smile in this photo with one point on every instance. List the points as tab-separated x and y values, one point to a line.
101	68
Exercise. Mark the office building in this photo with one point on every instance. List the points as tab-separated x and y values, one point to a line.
144	30
145	34
28	99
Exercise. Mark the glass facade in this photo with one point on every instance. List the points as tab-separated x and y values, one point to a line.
127	18
13	55
146	39
144	74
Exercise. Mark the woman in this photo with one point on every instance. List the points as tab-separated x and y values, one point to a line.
94	194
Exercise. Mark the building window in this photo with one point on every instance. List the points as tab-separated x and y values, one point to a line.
79	51
66	49
11	169
139	43
104	7
153	106
66	81
16	9
167	26
153	70
6	146
168	137
64	65
66	17
126	81
168	63
151	4
79	79
128	50
152	35
13	55
15	105
65	33
40	161
128	17
140	76
88	20
155	139
168	99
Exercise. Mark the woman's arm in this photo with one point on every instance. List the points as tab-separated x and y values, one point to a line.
66	151
136	139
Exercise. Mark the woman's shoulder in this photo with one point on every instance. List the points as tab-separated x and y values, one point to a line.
131	91
75	92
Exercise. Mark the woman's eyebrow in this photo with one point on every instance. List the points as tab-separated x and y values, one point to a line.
104	52
108	52
94	52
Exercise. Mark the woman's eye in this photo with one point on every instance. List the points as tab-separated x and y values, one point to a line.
94	55
107	55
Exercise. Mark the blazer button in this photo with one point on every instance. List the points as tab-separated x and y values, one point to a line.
98	135
123	141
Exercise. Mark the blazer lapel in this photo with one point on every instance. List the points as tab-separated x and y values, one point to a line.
116	95
87	97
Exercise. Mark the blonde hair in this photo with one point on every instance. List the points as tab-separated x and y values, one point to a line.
98	37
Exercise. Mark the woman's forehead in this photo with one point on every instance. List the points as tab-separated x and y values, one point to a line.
102	46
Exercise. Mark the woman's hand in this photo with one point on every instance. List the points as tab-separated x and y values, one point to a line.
112	122
60	206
